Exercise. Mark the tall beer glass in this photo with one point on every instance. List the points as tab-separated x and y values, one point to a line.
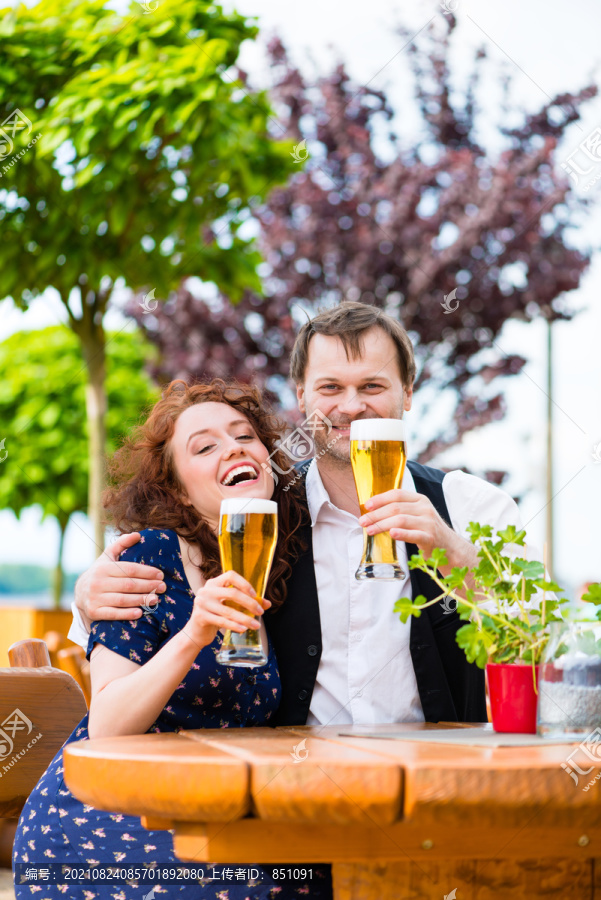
378	460
248	531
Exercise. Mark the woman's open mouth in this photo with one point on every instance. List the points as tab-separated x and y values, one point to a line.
240	474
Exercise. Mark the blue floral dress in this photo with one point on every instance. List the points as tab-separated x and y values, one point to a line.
56	828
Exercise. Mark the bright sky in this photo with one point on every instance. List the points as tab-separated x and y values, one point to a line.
547	48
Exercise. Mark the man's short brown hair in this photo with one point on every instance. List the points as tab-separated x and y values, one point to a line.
349	321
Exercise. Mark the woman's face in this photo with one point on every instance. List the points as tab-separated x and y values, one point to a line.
217	454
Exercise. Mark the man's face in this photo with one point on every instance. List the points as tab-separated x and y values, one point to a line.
368	387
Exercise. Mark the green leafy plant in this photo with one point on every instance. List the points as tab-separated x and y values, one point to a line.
510	628
593	595
44	426
586	641
139	155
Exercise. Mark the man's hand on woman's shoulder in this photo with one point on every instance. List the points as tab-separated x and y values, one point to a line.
114	589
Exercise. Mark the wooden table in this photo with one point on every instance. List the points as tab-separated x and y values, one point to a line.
396	819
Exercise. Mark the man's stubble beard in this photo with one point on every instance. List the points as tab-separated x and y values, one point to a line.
339	454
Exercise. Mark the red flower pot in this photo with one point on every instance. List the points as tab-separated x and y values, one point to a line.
512	697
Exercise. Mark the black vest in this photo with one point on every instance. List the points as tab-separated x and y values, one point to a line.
450	688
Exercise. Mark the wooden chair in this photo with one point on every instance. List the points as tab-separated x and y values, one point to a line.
39	708
71	659
54	641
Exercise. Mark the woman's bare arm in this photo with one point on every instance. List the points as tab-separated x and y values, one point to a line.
128	698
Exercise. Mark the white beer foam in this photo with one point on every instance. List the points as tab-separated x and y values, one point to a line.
236	506
378	430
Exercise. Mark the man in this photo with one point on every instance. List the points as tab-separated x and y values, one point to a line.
343	654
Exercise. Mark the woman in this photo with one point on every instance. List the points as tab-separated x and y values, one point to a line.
200	445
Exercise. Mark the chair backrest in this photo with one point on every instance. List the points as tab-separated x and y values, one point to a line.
39	708
70	658
54	641
73	661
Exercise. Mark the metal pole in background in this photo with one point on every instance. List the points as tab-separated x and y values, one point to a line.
549	487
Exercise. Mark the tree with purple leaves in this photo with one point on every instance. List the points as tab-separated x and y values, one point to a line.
452	237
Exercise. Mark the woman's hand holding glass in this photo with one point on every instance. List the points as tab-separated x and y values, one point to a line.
210	614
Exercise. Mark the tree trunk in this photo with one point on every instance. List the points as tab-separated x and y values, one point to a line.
58	578
89	329
93	346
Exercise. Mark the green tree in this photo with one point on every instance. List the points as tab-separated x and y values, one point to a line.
131	156
43	419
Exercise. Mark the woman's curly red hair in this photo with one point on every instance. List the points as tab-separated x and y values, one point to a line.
145	491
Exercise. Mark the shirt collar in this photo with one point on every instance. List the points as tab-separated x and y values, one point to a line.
317	496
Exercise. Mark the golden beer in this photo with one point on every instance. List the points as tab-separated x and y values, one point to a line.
378	459
248	532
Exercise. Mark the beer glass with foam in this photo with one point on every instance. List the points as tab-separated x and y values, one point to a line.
378	459
248	531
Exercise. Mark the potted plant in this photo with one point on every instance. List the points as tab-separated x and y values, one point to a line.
507	609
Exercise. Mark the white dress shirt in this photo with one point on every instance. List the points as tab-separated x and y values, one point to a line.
78	632
365	674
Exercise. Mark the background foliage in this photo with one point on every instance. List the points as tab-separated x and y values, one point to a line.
150	152
43	415
445	218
